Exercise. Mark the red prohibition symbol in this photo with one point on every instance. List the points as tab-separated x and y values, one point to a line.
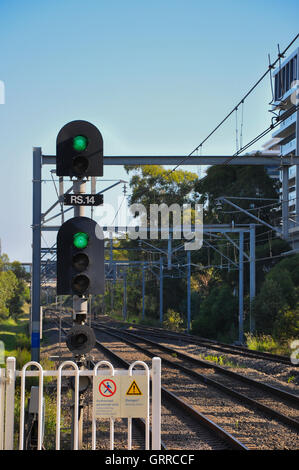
107	388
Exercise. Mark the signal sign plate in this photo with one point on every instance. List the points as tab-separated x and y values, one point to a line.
121	396
106	396
83	199
135	396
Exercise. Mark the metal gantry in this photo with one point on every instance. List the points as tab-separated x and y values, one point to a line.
41	224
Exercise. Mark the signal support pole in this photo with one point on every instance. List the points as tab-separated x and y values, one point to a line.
161	290
143	291
241	287
188	291
252	275
80	308
36	259
125	296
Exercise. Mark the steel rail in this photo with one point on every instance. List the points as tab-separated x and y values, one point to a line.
199	417
217	345
228	348
139	422
203	378
226	437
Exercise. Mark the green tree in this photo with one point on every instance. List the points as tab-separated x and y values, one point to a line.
14	290
277	294
237	180
290	264
21	293
253	184
8	287
286	326
20	272
218	314
155	185
276	305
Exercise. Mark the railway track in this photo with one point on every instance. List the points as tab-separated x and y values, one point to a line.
187	338
206	343
272	403
120	433
184	426
264	417
186	416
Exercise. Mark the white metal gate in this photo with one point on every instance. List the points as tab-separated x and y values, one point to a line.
10	401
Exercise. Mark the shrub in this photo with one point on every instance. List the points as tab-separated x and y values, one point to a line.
173	320
261	342
22	357
217	315
266	306
286	324
23	341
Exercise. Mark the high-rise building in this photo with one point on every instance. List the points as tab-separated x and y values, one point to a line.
271	147
286	97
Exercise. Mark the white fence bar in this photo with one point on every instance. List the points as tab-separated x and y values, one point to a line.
147	419
7	400
76	404
156	403
94	421
40	405
2	405
9	403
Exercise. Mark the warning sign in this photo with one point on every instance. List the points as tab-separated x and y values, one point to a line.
134	397
121	396
107	388
134	389
106	397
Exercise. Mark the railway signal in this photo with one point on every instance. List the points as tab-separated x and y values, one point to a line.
80	258
80	339
79	150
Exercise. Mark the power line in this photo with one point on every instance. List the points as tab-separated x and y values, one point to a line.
238	104
258	137
269	129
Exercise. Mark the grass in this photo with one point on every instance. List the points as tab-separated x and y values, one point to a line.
14	333
266	343
131	318
50	415
220	361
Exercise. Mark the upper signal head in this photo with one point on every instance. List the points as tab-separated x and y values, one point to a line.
79	150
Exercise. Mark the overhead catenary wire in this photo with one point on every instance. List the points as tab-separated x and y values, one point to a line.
199	267
270	67
279	119
240	148
260	136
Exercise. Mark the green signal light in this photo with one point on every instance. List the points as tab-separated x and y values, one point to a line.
80	240
80	143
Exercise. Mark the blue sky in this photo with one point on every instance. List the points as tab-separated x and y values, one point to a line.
155	77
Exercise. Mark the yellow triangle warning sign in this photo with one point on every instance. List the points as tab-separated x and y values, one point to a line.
134	389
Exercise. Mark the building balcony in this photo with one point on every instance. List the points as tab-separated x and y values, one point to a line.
292	199
292	172
287	127
286	101
288	148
